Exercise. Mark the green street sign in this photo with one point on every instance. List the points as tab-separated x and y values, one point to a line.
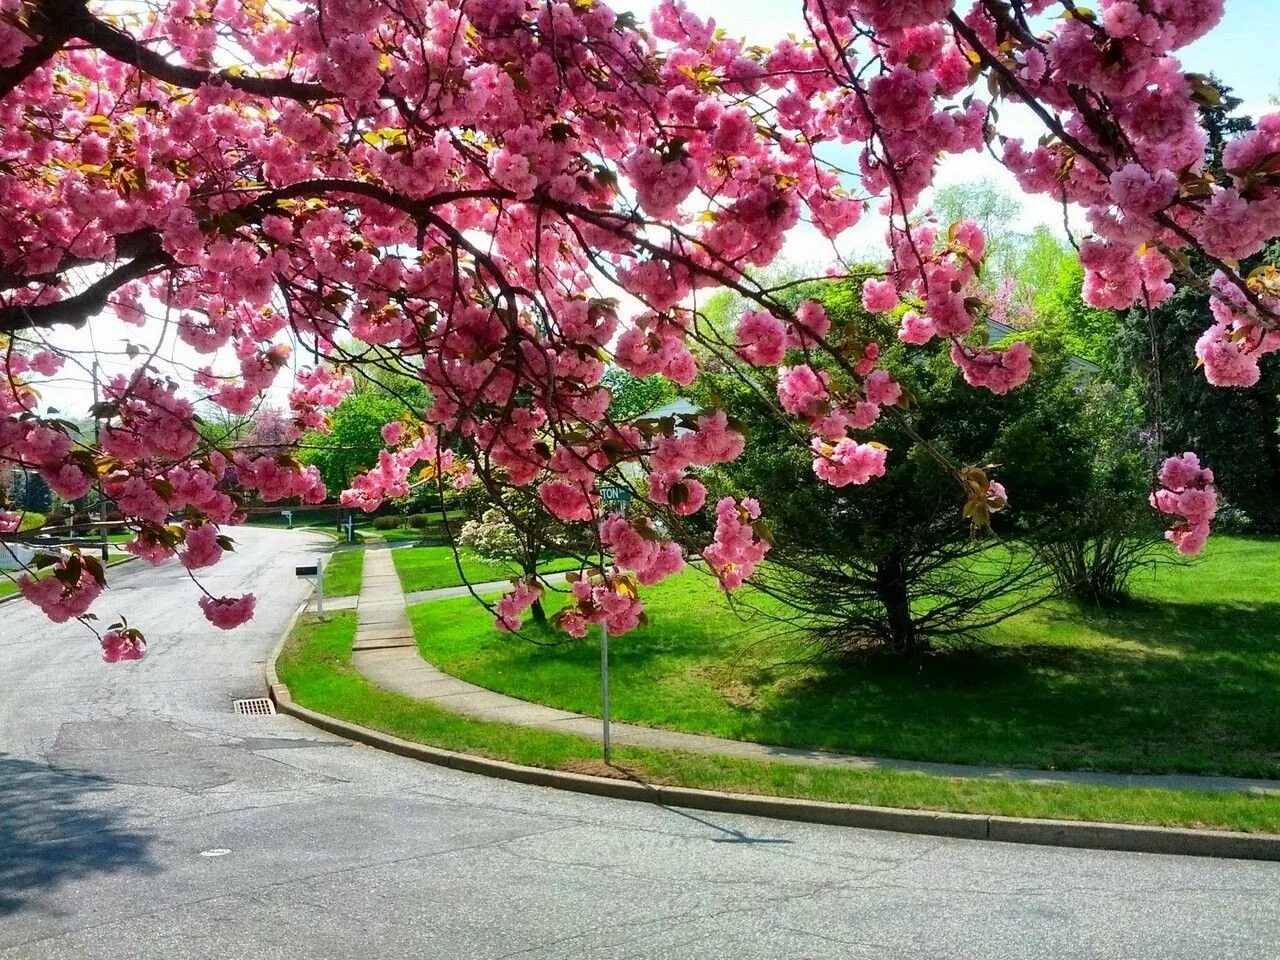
615	495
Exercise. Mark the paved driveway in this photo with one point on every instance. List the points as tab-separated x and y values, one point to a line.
139	817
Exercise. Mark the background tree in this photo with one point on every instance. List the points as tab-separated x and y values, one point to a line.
893	565
635	396
1233	429
996	211
354	440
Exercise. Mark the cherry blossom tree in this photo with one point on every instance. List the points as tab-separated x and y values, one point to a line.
507	195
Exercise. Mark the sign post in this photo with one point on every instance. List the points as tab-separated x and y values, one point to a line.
615	500
351	527
288	516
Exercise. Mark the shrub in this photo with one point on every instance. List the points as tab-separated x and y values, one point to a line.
1231	519
1103	530
419	521
386	523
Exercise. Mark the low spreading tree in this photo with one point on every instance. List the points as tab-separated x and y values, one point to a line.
894	565
469	185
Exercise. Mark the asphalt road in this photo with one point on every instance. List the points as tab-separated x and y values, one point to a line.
140	817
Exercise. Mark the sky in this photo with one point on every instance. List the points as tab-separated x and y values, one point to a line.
1240	50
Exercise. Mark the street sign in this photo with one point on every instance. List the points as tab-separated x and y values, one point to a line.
615	498
310	571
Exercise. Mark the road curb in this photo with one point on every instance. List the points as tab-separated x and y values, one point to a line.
968	826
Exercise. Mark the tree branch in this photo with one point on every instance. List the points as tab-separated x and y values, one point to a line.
76	310
80	23
50	42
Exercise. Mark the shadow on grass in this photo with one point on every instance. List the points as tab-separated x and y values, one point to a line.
1175	687
51	834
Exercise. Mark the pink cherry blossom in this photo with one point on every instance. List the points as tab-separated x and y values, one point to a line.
201	547
641	552
879	296
1188	492
122	645
762	339
848	462
227	613
513	604
736	549
61	600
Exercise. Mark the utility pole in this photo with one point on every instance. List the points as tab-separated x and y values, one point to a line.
97	438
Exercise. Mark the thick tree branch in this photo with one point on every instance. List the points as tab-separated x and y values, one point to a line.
51	40
75	17
76	310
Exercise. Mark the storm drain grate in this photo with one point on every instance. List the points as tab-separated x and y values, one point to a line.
255	707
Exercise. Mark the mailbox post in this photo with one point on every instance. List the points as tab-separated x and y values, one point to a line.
288	516
316	571
615	500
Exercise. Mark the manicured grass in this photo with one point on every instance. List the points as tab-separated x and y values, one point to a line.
316	666
1185	678
400	535
30	521
429	568
342	573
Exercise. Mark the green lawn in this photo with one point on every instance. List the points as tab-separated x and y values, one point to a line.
342	573
429	568
399	535
1186	678
316	666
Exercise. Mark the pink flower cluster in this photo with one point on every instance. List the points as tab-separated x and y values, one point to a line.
201	547
609	600
762	339
656	346
121	644
1231	348
520	599
227	613
997	370
1187	491
848	462
641	551
59	599
736	548
390	478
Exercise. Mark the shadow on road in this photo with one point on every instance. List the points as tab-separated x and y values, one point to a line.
50	832
731	835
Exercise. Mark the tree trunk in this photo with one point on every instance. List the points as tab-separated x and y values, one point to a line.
531	573
891	588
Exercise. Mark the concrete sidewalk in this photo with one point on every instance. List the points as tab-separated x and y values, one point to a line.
381	621
386	653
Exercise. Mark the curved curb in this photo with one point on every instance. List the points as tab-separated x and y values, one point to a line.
967	826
